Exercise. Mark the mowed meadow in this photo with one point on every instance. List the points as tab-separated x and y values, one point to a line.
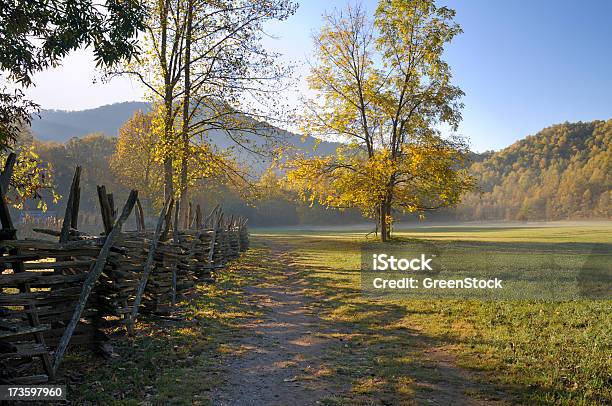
545	352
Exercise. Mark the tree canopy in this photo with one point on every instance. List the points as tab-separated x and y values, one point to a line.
36	35
383	87
203	63
562	172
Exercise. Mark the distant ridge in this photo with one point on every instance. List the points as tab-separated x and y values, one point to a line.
61	125
563	172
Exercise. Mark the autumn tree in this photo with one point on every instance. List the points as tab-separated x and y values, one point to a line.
231	83
138	159
92	152
204	63
134	161
562	172
383	88
32	179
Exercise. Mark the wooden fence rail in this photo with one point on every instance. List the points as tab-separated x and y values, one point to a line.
56	294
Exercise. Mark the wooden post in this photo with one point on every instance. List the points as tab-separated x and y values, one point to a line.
148	265
111	204
74	221
140	220
93	275
220	220
105	209
167	221
7	173
211	217
72	206
187	224
198	217
5	216
211	253
9	232
175	239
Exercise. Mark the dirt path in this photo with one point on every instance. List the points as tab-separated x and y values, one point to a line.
281	358
280	361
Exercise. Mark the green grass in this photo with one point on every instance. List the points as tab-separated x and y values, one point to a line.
170	362
543	352
384	351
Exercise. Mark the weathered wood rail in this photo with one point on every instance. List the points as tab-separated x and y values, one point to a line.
67	292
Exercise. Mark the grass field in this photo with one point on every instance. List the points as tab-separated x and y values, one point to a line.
380	351
546	352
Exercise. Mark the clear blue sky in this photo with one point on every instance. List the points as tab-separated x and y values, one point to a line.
523	65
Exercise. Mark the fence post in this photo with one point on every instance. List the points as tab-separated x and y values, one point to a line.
93	275
105	209
148	264
72	207
175	240
140	220
198	217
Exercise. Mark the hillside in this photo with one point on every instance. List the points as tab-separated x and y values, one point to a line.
562	172
61	125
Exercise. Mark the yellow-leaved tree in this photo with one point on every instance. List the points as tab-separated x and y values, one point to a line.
204	65
135	161
140	154
382	87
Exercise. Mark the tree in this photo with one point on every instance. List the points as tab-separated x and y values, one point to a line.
231	83
561	172
206	67
138	159
31	179
36	35
134	161
93	153
383	87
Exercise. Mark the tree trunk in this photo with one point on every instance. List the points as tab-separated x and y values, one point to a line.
168	119
185	126
384	213
168	173
388	216
384	235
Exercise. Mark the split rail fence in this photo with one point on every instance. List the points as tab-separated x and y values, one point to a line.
68	292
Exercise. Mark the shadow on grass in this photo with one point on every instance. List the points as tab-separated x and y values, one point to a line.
388	359
466	229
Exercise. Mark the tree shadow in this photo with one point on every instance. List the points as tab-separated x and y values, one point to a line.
384	357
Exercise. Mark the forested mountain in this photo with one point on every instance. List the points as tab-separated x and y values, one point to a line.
562	172
93	153
66	139
61	125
